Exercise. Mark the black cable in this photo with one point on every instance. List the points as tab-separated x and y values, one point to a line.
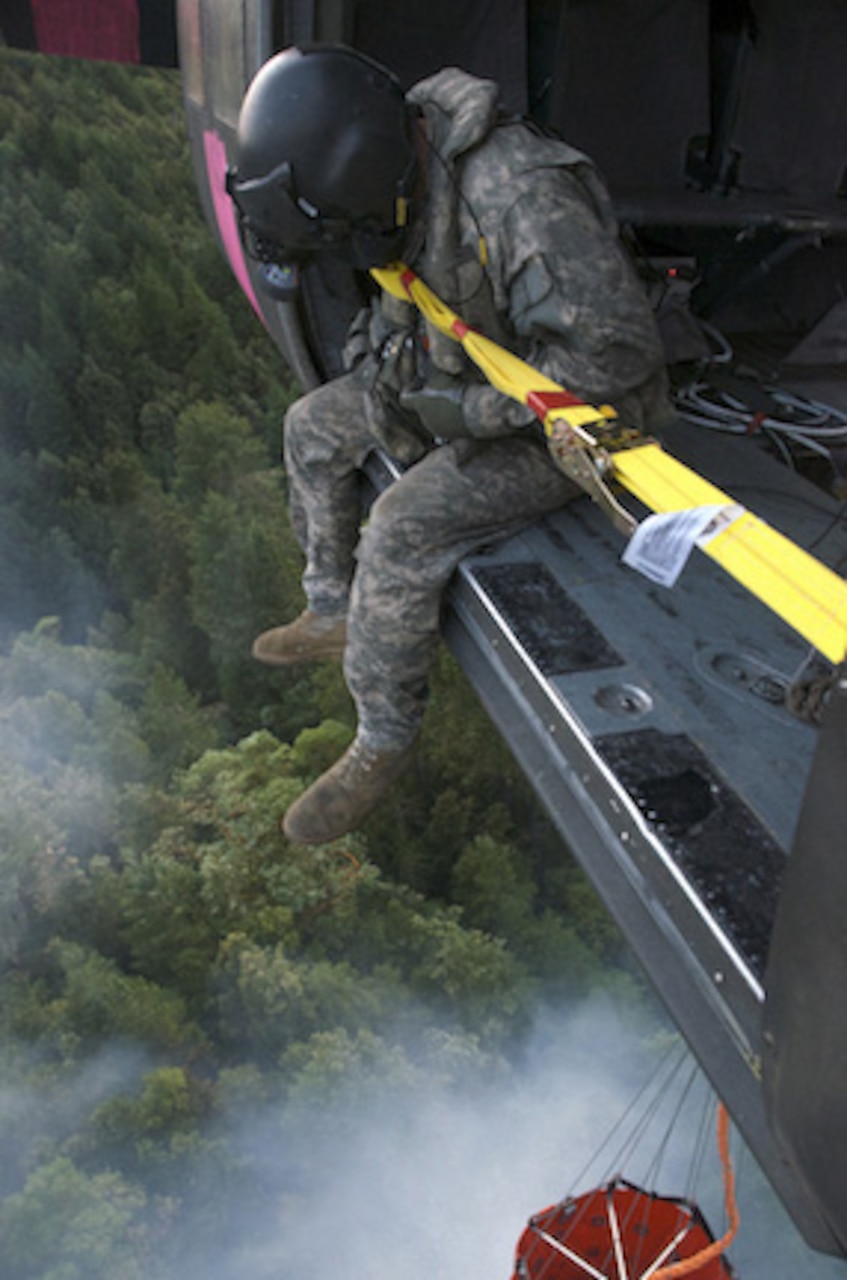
829	528
482	243
655	1166
668	1067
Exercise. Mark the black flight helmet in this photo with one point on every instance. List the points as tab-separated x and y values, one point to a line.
326	159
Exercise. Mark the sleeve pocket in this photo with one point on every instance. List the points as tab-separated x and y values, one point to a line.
532	301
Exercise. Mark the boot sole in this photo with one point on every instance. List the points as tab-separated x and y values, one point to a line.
330	653
317	652
297	827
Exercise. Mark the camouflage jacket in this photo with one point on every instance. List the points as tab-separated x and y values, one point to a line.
556	285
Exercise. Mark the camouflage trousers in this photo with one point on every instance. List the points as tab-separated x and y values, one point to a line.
390	575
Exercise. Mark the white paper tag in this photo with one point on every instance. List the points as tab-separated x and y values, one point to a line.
660	546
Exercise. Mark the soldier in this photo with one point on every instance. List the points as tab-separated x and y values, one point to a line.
515	231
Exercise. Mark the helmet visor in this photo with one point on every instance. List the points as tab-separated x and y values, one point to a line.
277	225
271	216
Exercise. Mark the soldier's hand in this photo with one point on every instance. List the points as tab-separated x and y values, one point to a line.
438	404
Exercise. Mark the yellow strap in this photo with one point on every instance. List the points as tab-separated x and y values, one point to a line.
504	370
806	594
802	591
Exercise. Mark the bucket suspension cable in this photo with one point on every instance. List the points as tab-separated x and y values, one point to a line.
621	1230
688	1266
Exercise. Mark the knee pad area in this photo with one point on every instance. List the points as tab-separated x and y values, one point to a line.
393	532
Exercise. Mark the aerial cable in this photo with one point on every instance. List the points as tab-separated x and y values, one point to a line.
650	1120
698	1157
628	1132
650	1180
643	1108
651	1116
618	1230
687	1265
655	1166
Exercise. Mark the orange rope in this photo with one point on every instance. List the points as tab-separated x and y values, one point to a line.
688	1265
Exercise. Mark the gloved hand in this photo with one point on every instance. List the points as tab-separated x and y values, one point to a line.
438	404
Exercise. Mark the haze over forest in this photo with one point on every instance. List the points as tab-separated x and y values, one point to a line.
221	1055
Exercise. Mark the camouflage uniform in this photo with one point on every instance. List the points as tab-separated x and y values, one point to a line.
557	288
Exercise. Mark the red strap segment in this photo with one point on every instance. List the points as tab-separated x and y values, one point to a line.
541	402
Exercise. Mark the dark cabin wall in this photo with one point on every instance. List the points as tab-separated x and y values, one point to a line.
485	37
628	83
636	85
632	86
791	131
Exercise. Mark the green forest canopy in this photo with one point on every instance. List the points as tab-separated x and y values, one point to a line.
149	905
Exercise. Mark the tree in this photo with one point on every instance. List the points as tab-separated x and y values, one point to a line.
106	335
67	1225
85	1001
494	886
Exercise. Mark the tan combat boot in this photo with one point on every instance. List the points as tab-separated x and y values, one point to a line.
343	796
313	637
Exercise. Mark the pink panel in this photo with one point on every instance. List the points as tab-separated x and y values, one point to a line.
225	215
